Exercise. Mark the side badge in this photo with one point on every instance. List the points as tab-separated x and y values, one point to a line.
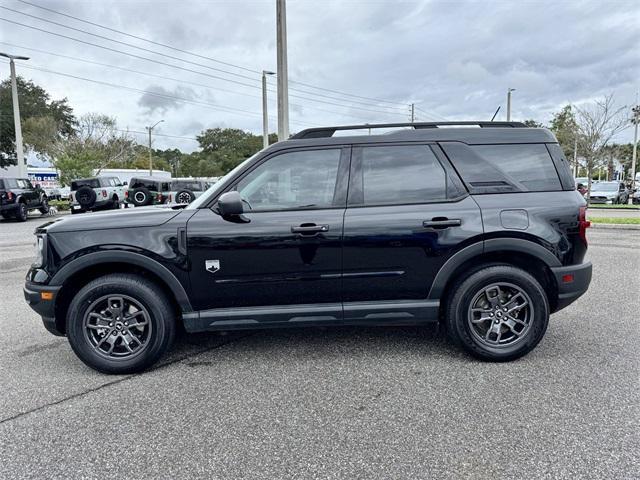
212	266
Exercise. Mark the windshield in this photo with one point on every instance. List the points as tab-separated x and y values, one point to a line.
213	190
606	187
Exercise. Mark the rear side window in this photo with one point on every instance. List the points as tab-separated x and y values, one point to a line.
402	174
148	184
530	166
186	184
91	183
504	168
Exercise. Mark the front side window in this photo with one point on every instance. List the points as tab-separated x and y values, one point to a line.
300	179
402	174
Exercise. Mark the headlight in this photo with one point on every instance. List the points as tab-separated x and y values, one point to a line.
39	261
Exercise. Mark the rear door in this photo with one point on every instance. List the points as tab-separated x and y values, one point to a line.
407	214
286	250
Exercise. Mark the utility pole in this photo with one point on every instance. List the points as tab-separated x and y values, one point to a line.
413	112
22	166
150	129
635	119
265	116
575	156
283	82
509	90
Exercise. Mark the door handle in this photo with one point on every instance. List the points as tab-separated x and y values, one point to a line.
306	229
441	223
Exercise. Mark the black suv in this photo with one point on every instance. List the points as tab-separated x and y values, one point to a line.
18	196
479	228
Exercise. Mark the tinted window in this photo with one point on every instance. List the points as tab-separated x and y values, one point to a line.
402	174
303	179
186	184
90	182
141	182
528	167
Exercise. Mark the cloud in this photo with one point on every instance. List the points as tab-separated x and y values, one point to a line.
159	99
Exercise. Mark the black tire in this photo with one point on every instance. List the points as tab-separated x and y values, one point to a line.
185	196
44	206
22	213
86	197
141	197
115	203
139	291
465	333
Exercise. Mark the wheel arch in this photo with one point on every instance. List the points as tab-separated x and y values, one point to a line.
523	254
73	276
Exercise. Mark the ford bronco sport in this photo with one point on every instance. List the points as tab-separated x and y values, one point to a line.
479	228
18	196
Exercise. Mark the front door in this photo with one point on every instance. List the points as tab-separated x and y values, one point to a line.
407	214
286	250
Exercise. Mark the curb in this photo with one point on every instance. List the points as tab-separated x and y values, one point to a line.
614	226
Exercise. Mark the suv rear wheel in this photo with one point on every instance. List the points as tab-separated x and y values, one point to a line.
120	323
44	206
498	313
22	213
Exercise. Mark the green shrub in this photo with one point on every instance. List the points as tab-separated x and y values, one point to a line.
61	205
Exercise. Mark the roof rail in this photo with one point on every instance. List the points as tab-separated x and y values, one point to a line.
323	132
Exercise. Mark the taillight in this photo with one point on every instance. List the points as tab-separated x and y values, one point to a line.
104	193
170	198
160	197
583	224
9	195
126	194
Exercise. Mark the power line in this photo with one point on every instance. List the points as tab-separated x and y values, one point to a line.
214	106
156	134
193	54
182	81
181	68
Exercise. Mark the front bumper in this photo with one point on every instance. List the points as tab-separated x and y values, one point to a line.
572	281
42	299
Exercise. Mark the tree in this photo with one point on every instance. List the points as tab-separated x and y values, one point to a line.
223	149
35	103
596	125
532	123
563	125
96	144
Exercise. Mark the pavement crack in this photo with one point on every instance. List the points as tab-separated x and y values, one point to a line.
120	380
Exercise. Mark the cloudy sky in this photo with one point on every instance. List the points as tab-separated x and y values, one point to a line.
349	61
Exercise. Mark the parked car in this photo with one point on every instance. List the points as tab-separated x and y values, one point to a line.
480	228
636	193
186	191
18	196
609	192
148	191
96	193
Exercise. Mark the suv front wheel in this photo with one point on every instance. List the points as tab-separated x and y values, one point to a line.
120	323
498	313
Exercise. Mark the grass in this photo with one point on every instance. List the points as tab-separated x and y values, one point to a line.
618	220
61	205
604	205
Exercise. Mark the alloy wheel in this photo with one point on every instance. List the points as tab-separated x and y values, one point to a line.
500	315
117	326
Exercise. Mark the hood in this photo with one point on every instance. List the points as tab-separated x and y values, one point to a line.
109	219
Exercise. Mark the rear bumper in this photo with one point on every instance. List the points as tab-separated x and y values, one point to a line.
97	204
9	207
45	308
572	281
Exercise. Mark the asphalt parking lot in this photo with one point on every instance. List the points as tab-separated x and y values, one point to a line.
344	403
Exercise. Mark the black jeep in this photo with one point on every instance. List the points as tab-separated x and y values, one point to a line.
479	228
18	196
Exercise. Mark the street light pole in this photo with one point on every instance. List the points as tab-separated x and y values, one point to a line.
22	167
265	116
509	90
150	129
283	83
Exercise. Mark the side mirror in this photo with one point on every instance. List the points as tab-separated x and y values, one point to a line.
124	184
38	186
230	204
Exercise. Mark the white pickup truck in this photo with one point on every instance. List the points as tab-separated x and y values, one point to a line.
97	193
